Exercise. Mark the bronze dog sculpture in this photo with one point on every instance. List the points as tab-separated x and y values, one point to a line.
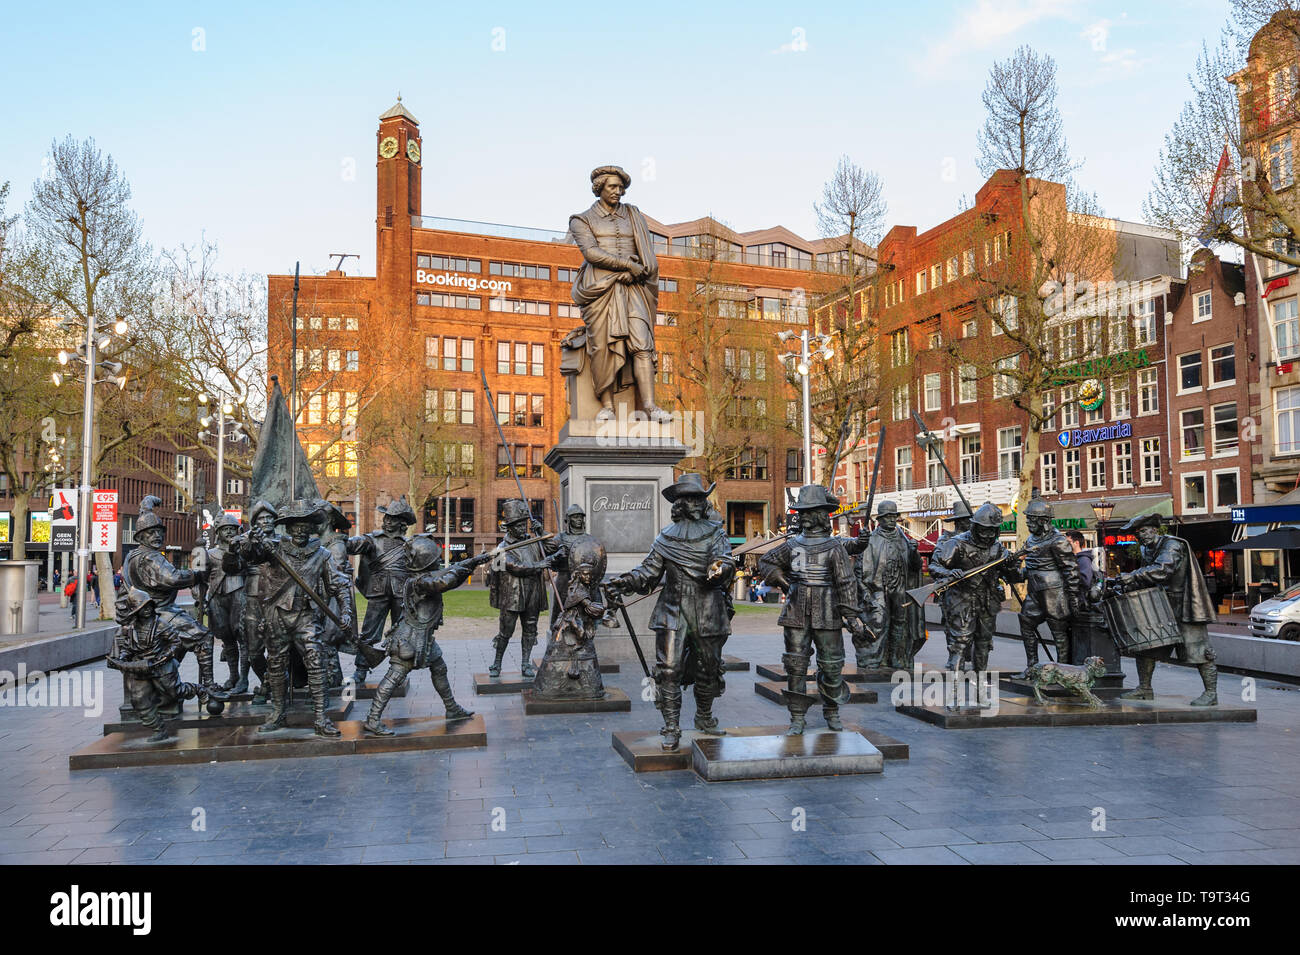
1078	680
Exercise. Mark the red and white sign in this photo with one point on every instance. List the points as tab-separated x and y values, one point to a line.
103	521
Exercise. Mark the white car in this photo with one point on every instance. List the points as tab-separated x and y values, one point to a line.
1279	617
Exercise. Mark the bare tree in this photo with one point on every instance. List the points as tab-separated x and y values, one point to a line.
1215	179
1022	124
852	210
89	264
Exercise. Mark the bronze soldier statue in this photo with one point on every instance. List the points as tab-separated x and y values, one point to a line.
816	570
145	651
1167	562
261	517
517	588
148	569
1052	575
381	576
970	607
692	557
411	644
891	566
574	535
293	618
960	519
223	595
334	538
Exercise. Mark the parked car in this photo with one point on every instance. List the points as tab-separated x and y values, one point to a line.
1278	617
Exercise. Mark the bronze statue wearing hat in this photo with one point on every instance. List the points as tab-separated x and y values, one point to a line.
145	651
617	289
1168	563
891	566
970	606
293	618
517	589
574	536
411	644
816	570
261	517
1054	588
148	569
692	558
381	575
334	538
223	596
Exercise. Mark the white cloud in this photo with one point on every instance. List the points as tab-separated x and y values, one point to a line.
1097	34
991	21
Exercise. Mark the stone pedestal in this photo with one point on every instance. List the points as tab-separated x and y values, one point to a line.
772	690
296	714
815	753
643	752
614	701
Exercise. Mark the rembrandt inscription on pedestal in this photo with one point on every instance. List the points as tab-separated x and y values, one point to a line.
622	513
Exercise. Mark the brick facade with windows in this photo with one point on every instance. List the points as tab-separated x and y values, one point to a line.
497	299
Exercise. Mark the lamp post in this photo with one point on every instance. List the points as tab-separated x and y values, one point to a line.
809	347
85	354
53	467
225	406
1103	509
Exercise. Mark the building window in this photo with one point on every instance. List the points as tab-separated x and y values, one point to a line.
903	467
1223	365
1069	408
966	389
1286	402
954	268
449	263
1119	399
793	466
899	353
1150	460
1008	452
1049	411
353	362
443	300
902	404
1118	333
1096	467
518	306
1144	323
665	285
1226	491
934	476
1148	392
970	327
1279	163
921	288
1004	383
1073	471
936	276
933	392
1192	423
1007	310
334	360
1204	308
1047	468
970	458
1286	330
1193	492
519	270
1189	372
1123	463
1225	429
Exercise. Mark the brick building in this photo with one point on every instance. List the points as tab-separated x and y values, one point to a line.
1212	335
469	297
927	300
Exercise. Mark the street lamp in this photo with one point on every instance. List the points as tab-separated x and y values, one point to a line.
225	406
1103	509
85	354
810	347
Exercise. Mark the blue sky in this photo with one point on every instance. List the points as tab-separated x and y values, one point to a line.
242	122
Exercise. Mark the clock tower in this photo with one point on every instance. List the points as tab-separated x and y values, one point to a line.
397	167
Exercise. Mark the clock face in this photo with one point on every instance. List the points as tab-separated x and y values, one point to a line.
388	147
413	150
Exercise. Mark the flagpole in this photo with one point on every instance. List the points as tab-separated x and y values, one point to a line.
293	390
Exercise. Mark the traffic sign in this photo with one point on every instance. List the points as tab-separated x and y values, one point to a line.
103	521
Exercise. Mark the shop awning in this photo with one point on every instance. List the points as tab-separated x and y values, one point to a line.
1285	508
1126	508
758	546
1283	538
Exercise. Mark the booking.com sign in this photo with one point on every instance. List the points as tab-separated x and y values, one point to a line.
1072	439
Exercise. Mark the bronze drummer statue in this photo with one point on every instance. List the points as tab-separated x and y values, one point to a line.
1167	563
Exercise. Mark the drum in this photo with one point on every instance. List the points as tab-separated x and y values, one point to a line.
1141	620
